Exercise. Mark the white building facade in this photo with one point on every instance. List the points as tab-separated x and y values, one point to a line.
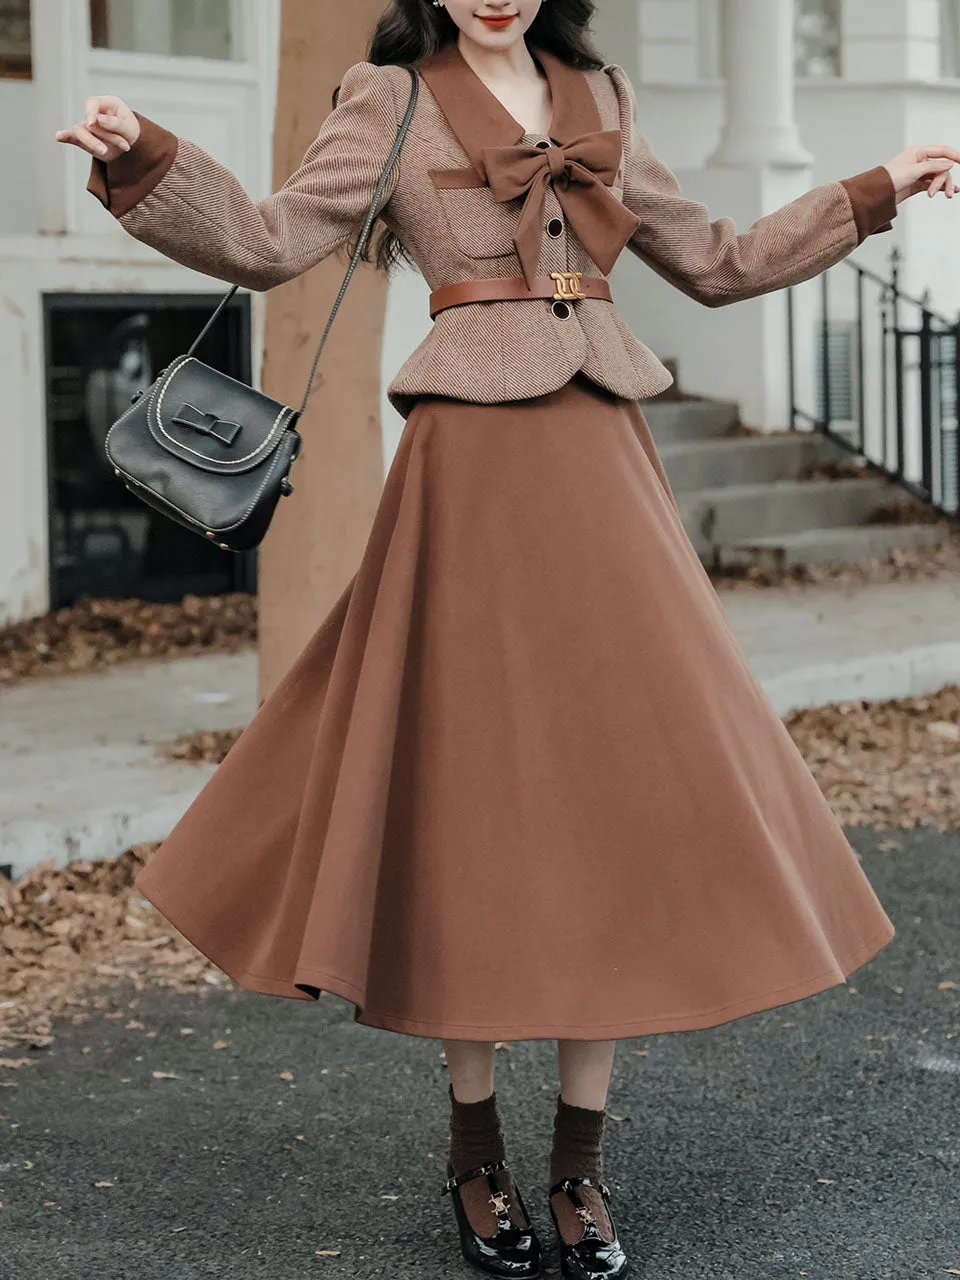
750	102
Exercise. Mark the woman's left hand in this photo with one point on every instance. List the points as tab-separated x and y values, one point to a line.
923	169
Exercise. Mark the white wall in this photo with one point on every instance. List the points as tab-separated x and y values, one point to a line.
18	205
54	237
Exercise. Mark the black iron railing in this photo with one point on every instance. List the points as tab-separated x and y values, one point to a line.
879	371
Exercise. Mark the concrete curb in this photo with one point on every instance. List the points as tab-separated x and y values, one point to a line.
924	669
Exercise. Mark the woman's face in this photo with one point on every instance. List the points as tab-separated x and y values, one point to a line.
493	24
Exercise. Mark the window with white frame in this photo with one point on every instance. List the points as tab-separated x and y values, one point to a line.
818	38
15	39
172	28
950	39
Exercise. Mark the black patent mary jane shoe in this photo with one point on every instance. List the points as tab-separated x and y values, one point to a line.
592	1257
512	1250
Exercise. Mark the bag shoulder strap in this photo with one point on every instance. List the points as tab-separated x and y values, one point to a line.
362	240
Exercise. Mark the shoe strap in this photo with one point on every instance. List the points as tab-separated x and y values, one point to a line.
569	1187
484	1171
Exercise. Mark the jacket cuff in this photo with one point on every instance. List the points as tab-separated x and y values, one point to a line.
874	200
122	183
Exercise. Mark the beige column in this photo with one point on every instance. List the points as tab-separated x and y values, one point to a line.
318	533
761	124
759	165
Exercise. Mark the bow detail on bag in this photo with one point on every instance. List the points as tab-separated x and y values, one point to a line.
581	173
207	424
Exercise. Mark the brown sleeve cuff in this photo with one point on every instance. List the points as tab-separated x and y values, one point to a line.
122	183
874	200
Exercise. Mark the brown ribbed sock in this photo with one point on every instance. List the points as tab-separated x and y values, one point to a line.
578	1153
476	1138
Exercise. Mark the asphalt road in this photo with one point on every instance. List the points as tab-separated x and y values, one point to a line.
819	1139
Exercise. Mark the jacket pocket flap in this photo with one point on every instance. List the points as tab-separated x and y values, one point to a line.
455	179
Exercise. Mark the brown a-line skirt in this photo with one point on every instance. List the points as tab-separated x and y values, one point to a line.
522	783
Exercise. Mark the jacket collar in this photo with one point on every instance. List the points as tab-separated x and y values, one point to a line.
479	119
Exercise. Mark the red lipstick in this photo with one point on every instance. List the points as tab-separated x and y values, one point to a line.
498	22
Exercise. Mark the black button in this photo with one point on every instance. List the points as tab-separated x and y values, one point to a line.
555	227
561	310
543	145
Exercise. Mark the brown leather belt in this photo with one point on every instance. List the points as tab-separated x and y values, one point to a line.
560	287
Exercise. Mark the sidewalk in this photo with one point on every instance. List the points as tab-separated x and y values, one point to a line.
812	645
80	776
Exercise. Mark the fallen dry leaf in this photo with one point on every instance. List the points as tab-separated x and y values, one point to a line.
327	1253
165	1075
66	932
208	746
946	986
14	1064
878	765
945	729
103	1184
95	634
286	1075
221	1044
826	1182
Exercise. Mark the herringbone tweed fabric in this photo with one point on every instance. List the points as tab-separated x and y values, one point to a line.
171	194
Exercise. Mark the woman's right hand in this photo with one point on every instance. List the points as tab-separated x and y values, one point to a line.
108	129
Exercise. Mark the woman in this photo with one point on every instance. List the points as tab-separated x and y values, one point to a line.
520	783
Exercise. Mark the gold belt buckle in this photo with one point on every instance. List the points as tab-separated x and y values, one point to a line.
568	285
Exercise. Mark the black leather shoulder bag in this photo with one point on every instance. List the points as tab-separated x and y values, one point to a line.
210	452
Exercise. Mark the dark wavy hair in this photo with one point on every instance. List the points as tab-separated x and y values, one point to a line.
409	30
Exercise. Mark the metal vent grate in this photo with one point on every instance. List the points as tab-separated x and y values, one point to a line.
841	354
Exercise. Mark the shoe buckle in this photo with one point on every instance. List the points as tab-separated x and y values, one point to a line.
500	1203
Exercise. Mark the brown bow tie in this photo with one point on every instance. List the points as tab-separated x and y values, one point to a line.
581	173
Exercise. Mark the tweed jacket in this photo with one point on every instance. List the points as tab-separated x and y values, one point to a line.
468	207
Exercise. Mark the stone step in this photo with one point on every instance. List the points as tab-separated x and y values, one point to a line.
745	512
845	544
703	464
673	420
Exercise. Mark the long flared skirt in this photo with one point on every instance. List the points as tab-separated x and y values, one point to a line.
521	783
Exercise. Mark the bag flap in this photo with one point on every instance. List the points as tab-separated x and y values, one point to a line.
213	421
